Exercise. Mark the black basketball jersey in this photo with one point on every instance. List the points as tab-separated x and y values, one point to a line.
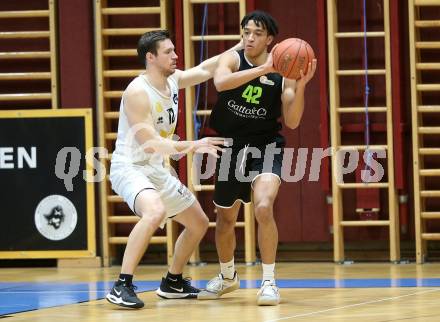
249	113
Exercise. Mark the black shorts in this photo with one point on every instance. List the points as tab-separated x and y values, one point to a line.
238	167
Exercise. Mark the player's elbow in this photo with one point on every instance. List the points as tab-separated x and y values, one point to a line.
219	84
208	72
292	124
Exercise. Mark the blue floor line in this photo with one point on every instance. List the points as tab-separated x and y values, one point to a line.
20	297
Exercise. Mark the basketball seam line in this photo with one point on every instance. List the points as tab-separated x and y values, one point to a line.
281	55
293	65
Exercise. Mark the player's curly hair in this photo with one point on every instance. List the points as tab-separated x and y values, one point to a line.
261	18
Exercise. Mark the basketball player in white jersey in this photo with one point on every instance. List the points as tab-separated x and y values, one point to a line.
148	117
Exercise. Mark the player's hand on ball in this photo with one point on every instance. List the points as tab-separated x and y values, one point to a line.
304	79
268	65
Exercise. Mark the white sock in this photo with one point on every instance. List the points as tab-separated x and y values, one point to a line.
228	269
268	272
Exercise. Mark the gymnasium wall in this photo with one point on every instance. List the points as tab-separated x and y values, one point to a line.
76	52
24	65
301	209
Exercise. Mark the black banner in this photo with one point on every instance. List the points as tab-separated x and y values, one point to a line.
37	211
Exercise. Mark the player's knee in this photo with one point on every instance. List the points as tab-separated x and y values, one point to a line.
224	223
203	223
199	224
264	211
154	216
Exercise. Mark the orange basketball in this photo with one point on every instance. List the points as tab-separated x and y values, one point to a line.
291	55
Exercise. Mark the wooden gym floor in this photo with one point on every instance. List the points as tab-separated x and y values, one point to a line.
310	292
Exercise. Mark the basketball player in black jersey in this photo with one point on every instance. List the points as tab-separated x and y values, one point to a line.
252	98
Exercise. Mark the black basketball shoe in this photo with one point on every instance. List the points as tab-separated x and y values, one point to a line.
179	289
125	296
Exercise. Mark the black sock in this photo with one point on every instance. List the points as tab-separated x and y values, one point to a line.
174	277
126	279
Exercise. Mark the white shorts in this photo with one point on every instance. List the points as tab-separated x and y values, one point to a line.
129	180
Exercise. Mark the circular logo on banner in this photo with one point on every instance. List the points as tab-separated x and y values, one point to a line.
55	217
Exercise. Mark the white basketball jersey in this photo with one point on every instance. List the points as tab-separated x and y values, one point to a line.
164	115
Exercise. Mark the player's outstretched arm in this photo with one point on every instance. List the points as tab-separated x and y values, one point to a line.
202	72
138	111
226	76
